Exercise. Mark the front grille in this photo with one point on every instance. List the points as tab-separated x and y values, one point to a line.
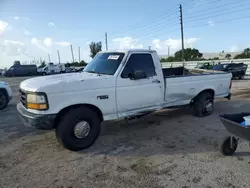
23	96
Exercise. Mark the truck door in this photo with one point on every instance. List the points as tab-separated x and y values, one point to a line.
138	94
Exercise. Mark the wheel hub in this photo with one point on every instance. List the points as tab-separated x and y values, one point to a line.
82	129
209	107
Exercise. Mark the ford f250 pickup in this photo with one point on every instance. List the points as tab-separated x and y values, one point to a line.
115	85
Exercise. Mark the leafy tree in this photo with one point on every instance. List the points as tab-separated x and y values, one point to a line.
215	58
95	47
76	64
190	54
43	64
17	62
228	56
168	59
244	55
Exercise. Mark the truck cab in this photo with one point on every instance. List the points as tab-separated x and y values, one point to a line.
112	86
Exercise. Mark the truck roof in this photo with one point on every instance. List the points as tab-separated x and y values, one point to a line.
130	50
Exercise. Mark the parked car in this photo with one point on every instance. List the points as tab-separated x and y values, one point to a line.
238	70
5	94
52	68
115	85
21	70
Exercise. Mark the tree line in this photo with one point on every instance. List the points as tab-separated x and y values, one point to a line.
193	54
190	54
94	48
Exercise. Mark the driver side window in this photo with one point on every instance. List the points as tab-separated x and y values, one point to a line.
139	62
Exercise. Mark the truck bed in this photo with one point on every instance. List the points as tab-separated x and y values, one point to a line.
182	85
181	71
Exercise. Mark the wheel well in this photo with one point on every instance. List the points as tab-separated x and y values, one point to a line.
4	90
65	110
211	91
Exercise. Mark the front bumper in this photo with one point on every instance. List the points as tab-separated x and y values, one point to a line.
229	96
38	121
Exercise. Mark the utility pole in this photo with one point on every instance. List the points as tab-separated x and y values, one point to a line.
79	53
72	53
168	51
59	59
106	41
149	47
182	36
41	60
49	58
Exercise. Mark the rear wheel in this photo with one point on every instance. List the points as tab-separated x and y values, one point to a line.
78	129
241	77
203	105
229	145
3	100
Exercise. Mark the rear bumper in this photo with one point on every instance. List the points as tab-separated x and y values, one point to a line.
36	120
229	96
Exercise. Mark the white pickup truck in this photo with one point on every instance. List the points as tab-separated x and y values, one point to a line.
115	85
5	94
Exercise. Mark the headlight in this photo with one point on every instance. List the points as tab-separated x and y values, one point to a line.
37	101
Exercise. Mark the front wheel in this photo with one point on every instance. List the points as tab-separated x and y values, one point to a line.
203	105
229	145
3	100
78	129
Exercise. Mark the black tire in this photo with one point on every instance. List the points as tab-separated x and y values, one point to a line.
225	147
44	74
65	129
241	77
201	104
3	100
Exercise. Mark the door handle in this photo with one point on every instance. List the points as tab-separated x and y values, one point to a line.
156	81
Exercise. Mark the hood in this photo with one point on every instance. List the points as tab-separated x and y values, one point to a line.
67	82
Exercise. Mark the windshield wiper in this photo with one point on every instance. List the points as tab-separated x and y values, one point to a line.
93	72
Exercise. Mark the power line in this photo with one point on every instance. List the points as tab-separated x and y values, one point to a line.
153	29
222	21
148	20
151	26
214	9
216	15
205	3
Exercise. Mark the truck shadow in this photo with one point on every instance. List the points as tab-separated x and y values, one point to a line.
166	132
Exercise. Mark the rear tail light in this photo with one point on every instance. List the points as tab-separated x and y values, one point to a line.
230	85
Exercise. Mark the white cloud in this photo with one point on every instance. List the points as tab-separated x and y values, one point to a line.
3	26
16	18
126	43
51	24
234	48
47	42
173	44
27	32
211	23
13	48
6	42
39	44
63	43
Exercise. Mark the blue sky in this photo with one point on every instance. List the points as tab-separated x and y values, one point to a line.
33	29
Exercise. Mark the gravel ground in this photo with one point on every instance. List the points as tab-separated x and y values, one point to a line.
165	149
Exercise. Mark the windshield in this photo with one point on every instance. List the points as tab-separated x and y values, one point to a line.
200	65
104	63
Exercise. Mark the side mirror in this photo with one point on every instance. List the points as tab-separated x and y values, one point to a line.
137	75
